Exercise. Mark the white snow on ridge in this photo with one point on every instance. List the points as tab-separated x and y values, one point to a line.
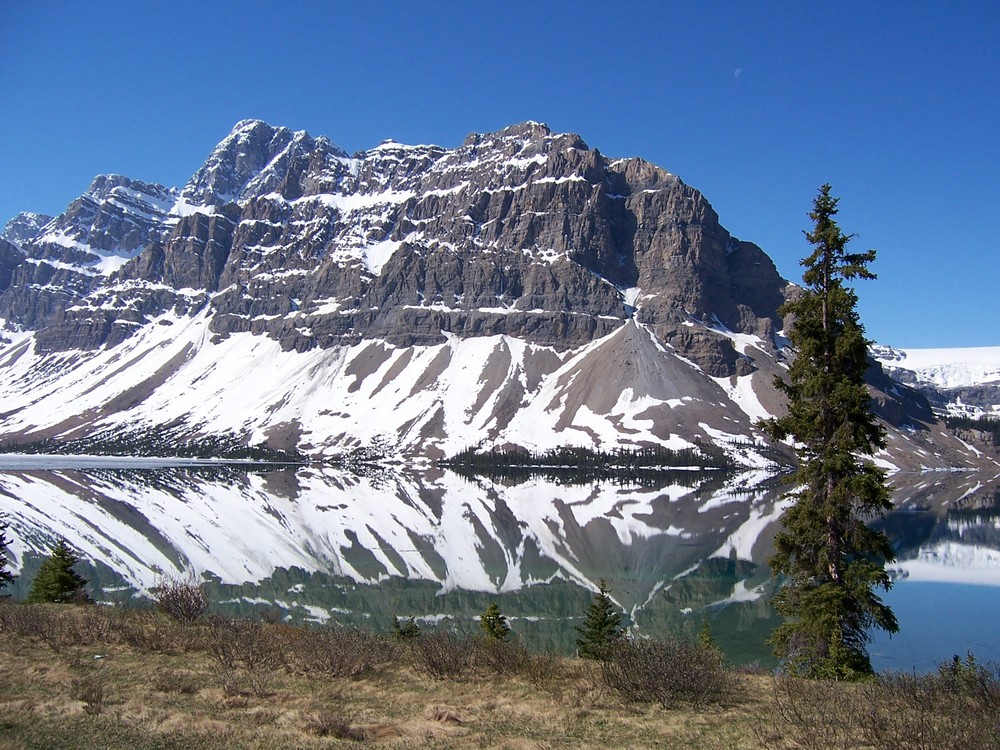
945	368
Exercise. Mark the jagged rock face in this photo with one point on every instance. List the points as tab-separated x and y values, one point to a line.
522	232
68	257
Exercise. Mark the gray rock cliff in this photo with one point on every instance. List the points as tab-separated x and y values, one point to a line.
521	232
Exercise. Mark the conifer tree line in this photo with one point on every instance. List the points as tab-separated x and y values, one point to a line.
989	425
830	559
576	464
156	441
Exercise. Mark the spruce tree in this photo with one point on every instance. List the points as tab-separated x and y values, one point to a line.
832	561
403	630
494	624
56	580
602	627
6	577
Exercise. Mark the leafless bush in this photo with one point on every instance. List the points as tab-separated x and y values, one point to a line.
443	655
336	651
182	599
272	615
502	657
90	689
52	626
544	670
148	631
958	707
245	654
951	709
23	620
810	715
667	671
334	723
171	681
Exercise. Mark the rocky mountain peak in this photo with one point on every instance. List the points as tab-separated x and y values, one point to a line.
257	158
524	140
24	227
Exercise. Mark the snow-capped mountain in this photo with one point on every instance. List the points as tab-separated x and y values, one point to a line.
520	289
959	381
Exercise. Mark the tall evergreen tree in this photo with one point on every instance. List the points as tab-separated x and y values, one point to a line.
56	580
602	627
6	577
831	559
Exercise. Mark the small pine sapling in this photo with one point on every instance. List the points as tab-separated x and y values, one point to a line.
56	580
404	630
602	627
494	624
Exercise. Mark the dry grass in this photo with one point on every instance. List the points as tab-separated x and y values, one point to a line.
106	684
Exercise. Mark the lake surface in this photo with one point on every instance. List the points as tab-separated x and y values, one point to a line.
319	544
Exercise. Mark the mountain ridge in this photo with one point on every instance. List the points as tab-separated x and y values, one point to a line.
521	284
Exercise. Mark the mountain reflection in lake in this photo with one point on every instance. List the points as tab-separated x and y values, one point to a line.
326	545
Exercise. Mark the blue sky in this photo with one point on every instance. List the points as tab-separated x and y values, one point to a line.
756	104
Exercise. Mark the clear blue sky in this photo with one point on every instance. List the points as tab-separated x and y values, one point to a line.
756	104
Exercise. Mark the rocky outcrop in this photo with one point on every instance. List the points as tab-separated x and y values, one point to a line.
10	259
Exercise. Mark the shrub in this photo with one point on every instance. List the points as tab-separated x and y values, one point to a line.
245	655
958	707
183	600
336	651
544	671
666	671
90	689
333	723
502	657
171	681
148	631
443	655
953	709
809	715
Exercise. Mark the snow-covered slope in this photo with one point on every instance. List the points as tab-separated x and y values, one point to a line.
432	401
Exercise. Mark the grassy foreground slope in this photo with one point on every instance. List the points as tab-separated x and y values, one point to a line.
89	677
